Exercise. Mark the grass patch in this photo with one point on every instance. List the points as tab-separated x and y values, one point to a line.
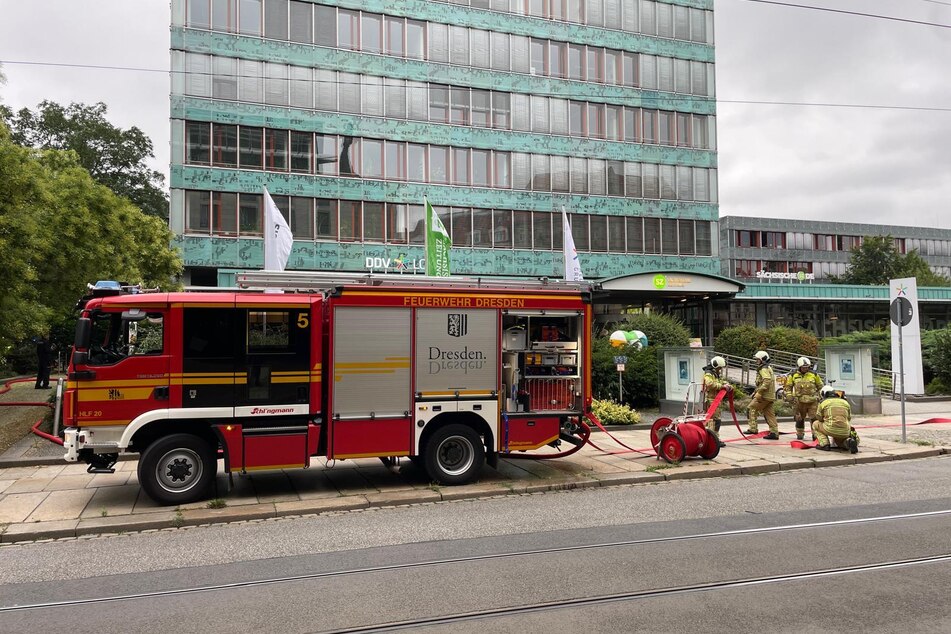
658	467
179	520
217	503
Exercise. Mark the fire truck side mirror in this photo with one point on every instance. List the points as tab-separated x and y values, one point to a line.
80	357
83	332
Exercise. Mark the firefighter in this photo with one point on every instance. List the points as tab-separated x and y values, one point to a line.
833	420
713	382
44	359
763	398
802	388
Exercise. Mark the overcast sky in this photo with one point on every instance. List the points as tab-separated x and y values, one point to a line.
822	163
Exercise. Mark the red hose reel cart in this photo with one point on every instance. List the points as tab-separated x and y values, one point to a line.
677	438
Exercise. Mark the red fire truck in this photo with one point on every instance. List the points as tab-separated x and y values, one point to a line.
450	372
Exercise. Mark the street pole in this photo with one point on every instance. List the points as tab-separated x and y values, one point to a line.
901	371
620	387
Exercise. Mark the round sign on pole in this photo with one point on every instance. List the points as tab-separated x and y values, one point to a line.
901	311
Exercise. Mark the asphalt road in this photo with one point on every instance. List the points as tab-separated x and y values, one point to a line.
793	551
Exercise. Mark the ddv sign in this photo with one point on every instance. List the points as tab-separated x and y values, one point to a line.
398	264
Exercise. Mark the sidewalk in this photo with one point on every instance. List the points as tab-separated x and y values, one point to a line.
54	501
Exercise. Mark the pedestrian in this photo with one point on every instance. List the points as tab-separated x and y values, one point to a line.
802	388
834	420
44	359
763	398
713	382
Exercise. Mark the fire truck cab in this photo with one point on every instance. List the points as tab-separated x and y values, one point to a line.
450	372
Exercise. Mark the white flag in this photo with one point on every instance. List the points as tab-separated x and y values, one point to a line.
277	236
572	264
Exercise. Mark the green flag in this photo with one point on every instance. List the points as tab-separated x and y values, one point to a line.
437	244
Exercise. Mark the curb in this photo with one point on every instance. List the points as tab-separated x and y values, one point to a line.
59	529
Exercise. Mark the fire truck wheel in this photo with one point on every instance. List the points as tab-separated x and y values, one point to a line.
454	454
178	469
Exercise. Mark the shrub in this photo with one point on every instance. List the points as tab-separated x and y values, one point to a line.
794	340
740	341
880	336
642	374
612	413
938	354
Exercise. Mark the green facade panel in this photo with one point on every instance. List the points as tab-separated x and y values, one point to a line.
843	292
281	117
216	179
397	68
330	256
457	15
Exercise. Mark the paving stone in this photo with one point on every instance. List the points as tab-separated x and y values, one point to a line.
349	481
69	483
312	484
832	459
51	471
29	485
307	507
913	452
688	471
612	479
273	487
126	523
415	496
18	506
750	467
5	484
116	479
787	463
16	473
32	531
62	505
863	457
471	491
114	501
192	517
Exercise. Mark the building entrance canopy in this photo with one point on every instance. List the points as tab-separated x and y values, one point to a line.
670	285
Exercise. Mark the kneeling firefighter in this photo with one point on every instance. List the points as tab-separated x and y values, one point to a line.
763	398
713	382
834	420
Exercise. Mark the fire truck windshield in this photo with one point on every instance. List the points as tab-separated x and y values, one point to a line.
116	336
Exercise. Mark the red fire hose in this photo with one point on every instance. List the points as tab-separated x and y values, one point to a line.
7	386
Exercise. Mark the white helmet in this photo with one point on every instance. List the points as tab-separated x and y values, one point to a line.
827	391
717	363
804	361
763	356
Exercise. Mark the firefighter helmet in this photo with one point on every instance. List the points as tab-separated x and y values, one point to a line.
718	363
827	391
763	356
804	362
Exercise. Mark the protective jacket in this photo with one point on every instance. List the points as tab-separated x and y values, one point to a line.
712	384
765	384
804	387
835	414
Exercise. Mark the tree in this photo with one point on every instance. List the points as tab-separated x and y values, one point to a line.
878	260
59	230
114	157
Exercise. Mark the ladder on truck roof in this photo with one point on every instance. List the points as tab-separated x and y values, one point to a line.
309	281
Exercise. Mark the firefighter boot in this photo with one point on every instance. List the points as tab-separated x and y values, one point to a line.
771	436
800	430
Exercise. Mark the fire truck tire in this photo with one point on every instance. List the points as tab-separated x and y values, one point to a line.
454	454
178	469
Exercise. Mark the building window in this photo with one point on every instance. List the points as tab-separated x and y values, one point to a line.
224	151
301	152
198	212
326	218
302	218
275	150
747	239
250	213
275	19
197	143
